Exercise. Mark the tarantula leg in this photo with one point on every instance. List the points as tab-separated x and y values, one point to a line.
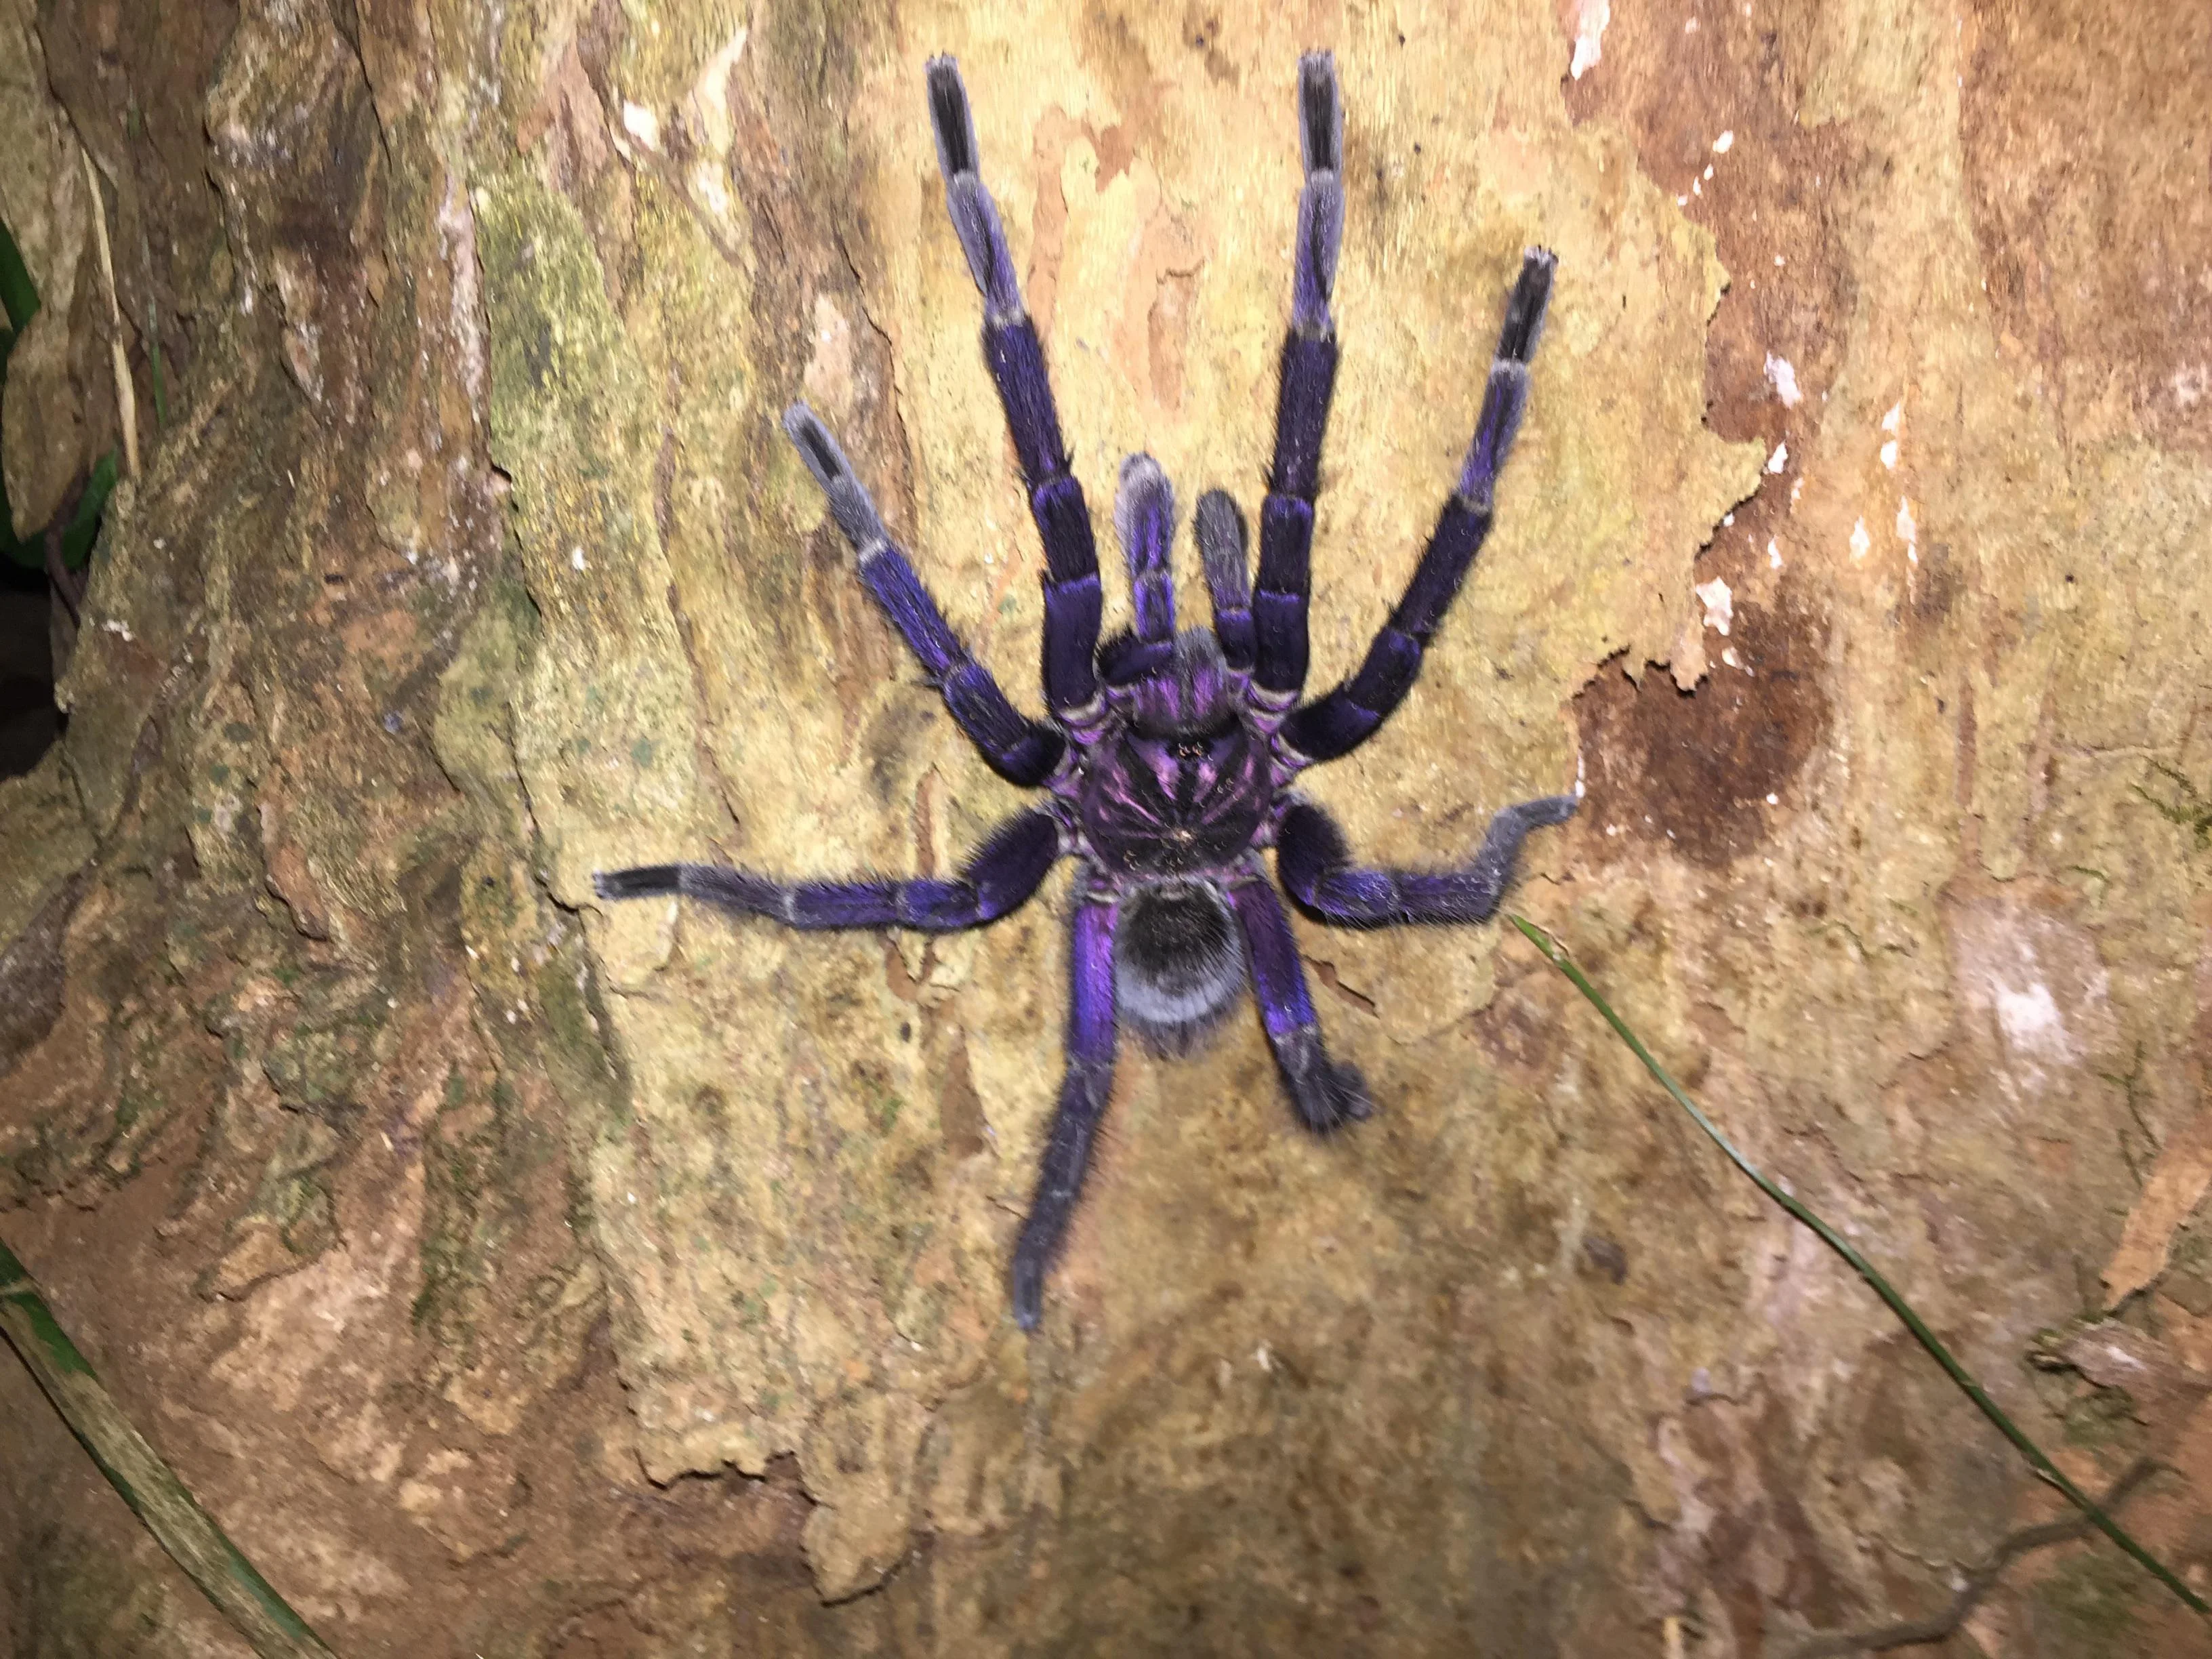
1220	530
1325	1094
1144	522
1083	1090
1020	749
1348	715
1315	863
1307	380
1073	599
1008	868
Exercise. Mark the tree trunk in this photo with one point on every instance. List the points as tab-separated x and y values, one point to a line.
514	1273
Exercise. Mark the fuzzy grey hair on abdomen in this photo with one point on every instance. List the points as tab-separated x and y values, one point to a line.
1178	962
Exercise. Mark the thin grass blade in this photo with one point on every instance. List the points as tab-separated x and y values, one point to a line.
1554	953
147	1484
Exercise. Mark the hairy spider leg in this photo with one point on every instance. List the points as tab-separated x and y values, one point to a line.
1302	398
1005	871
1315	863
1020	750
1352	713
1219	526
1325	1094
1084	1089
1143	523
1073	599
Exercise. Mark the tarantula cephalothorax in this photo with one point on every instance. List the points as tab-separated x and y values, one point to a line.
1168	756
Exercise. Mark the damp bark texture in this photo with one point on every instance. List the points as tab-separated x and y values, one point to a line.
511	1273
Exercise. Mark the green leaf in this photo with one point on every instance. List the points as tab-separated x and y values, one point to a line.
84	524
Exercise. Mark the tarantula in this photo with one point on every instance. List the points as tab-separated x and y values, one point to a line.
1168	756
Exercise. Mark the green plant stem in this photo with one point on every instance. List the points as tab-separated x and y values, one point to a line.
147	1484
84	524
1554	954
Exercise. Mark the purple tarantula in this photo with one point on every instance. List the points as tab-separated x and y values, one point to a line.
1168	756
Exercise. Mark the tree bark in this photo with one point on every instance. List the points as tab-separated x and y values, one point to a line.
510	1272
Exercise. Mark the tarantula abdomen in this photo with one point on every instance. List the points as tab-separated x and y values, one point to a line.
1178	963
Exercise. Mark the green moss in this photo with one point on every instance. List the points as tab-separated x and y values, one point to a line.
2179	802
318	1062
2092	1601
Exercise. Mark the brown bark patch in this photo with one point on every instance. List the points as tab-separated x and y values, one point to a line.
1700	769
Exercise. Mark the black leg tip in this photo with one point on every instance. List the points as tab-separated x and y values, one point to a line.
1325	1095
949	118
823	458
1320	114
645	881
1348	1095
1524	312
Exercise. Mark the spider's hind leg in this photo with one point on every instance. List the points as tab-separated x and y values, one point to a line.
1326	1094
1083	1090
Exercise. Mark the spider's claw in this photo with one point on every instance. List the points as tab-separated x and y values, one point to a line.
1551	809
1320	114
1219	528
1525	310
1326	1093
950	117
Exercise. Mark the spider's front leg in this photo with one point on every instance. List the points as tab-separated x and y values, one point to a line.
1326	1095
1083	1090
1353	712
1308	380
1315	863
1073	599
1008	868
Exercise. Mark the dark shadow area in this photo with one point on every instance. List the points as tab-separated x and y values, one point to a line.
29	721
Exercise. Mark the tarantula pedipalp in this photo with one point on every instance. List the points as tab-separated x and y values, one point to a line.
1167	757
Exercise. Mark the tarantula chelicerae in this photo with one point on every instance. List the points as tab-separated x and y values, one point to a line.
1168	756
